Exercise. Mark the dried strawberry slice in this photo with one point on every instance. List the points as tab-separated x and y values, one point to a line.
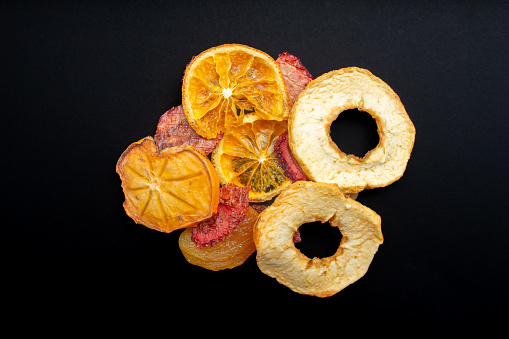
296	237
173	129
232	209
295	74
286	160
259	208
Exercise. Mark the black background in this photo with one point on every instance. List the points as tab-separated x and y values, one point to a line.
80	81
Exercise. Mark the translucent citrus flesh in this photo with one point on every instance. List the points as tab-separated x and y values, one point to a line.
229	253
225	83
246	157
169	190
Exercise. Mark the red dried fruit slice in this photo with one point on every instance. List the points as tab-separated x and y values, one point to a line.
173	129
296	237
295	74
259	208
232	209
286	160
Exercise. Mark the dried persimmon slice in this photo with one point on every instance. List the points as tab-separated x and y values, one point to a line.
167	190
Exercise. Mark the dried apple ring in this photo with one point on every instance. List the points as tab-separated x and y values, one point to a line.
320	104
305	202
167	190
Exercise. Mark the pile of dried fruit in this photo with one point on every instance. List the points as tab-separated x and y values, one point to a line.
236	102
251	129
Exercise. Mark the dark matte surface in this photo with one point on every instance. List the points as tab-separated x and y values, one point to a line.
80	81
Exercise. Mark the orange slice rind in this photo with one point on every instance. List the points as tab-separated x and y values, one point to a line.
167	190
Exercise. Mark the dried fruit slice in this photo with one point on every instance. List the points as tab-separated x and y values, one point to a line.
259	207
232	209
245	156
173	129
167	190
296	75
226	82
286	159
306	202
229	253
320	104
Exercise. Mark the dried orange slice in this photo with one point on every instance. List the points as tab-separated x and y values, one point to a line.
245	156
173	189
227	82
229	253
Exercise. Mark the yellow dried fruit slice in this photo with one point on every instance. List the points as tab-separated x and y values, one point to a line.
245	156
306	202
165	191
225	83
231	252
320	104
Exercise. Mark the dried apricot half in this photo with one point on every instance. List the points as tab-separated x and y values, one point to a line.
225	83
167	190
229	253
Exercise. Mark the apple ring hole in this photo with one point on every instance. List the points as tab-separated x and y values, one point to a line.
320	240
355	132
